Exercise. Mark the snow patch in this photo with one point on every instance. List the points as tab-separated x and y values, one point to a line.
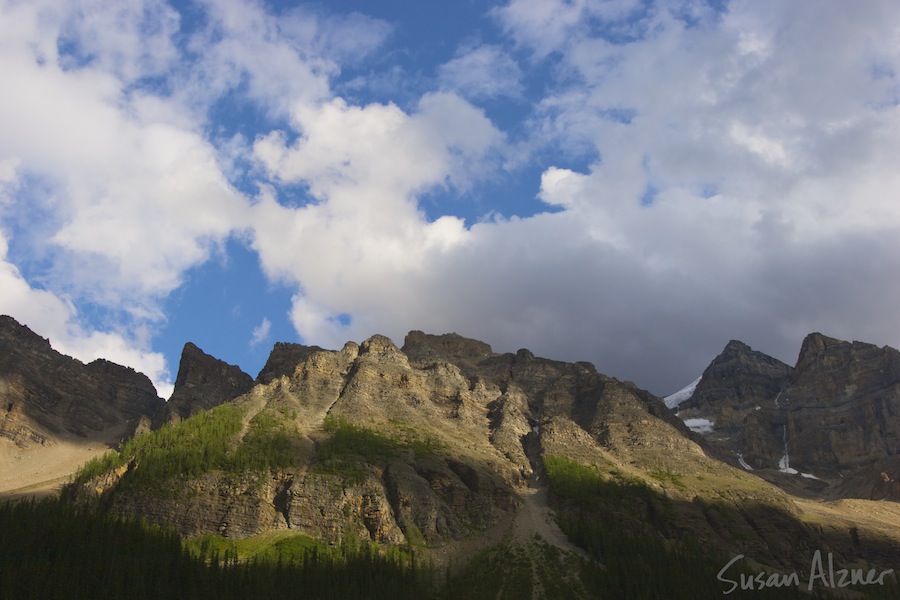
681	395
809	476
743	462
700	425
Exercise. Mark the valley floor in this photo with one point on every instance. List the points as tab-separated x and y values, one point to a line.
41	470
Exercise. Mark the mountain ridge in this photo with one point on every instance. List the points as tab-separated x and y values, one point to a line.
830	418
444	446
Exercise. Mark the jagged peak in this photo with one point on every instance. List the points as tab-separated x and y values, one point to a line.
736	346
524	354
737	352
194	360
203	382
10	327
815	343
284	359
378	344
351	350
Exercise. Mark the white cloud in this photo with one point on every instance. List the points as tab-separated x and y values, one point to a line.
736	176
132	200
260	333
728	200
365	165
485	71
56	318
549	25
275	60
131	39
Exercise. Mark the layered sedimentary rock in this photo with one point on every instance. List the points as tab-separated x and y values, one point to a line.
44	394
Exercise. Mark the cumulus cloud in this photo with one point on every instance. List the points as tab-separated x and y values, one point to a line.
549	25
729	199
708	174
364	234
56	318
112	197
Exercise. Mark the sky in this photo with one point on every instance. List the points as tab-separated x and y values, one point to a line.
632	183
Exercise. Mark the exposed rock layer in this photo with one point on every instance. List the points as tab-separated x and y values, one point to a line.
44	394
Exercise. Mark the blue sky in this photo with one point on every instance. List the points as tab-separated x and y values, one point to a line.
627	182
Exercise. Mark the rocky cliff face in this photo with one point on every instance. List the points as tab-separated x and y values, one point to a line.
834	415
44	394
442	440
283	359
203	382
444	444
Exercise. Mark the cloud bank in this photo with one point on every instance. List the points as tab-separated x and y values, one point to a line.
707	173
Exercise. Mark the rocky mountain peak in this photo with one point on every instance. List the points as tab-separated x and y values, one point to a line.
12	332
46	397
284	359
814	346
738	356
378	344
738	379
203	381
736	348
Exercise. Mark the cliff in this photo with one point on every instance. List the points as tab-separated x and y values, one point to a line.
44	394
832	419
203	382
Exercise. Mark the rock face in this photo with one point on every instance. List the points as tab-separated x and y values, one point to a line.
284	358
735	383
836	412
468	429
444	442
203	382
44	394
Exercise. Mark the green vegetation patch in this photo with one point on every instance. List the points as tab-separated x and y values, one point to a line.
348	439
668	476
198	445
351	448
289	547
586	485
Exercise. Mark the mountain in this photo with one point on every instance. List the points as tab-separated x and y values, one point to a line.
203	382
507	474
829	425
56	412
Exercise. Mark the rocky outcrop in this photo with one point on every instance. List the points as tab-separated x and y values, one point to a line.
466	421
203	382
284	359
44	394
